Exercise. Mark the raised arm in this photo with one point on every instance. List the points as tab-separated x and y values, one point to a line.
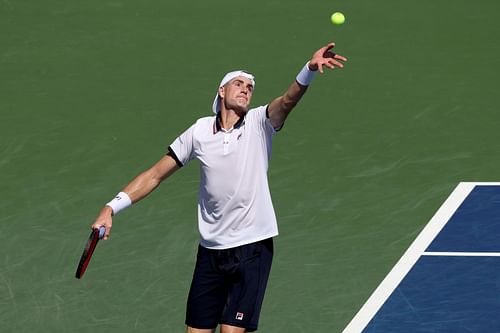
137	189
280	107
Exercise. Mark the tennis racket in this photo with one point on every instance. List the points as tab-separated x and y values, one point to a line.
94	237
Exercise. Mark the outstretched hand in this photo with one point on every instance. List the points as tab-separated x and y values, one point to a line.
325	57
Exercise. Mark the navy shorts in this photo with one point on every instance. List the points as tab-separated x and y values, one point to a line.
228	286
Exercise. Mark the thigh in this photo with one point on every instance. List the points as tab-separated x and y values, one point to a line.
208	293
248	285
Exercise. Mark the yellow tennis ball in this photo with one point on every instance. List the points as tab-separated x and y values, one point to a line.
338	18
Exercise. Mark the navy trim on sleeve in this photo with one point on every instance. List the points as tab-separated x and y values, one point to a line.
172	154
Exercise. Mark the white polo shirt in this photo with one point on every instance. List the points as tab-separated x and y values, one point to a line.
234	205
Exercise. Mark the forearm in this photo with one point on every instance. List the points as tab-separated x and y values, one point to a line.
292	96
283	105
135	191
142	185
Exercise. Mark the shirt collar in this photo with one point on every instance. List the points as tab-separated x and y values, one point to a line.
218	127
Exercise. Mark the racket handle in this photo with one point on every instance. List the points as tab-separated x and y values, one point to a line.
102	230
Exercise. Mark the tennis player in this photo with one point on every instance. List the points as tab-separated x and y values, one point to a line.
236	218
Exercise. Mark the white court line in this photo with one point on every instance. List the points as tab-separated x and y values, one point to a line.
410	257
462	254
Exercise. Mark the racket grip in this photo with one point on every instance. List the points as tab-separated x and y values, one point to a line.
102	230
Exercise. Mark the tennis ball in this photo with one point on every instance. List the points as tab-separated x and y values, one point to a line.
337	18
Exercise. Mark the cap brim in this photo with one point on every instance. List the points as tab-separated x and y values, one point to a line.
216	104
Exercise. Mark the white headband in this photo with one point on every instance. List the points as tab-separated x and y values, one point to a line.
228	77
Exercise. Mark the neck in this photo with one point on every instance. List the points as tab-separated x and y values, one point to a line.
228	118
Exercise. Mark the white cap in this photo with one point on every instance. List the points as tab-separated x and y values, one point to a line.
228	77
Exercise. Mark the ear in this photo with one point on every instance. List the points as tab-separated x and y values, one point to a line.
221	92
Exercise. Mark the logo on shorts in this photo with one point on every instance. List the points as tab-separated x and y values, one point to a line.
239	316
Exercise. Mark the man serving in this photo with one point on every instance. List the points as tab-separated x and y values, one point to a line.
236	217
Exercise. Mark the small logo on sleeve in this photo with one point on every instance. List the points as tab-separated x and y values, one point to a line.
239	316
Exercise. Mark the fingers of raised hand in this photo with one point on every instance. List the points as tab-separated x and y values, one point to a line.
324	50
333	55
339	57
329	46
330	63
335	63
320	67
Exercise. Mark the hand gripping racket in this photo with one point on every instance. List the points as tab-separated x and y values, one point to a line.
94	237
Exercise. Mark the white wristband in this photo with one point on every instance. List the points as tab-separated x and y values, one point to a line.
120	202
305	76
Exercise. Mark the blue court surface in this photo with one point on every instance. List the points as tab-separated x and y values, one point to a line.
449	278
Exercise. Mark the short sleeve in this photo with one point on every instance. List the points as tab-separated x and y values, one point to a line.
263	120
182	148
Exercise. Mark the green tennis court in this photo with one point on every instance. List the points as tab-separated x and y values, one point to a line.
93	92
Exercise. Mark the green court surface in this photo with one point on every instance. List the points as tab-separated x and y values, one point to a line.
92	93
